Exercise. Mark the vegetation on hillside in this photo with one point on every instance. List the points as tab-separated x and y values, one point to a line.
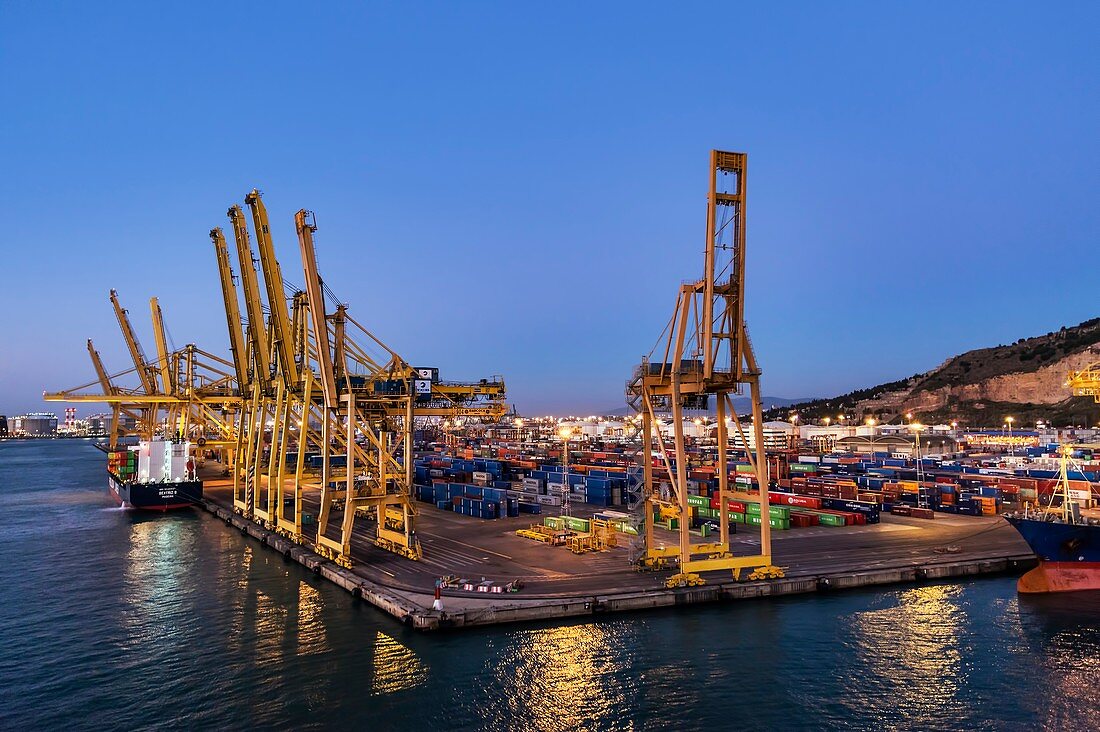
1026	355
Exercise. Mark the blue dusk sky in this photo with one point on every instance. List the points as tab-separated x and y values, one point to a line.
519	188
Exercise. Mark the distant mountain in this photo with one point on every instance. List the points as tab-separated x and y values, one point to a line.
1025	380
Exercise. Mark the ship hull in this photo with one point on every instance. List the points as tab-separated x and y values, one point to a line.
1069	556
1060	577
167	496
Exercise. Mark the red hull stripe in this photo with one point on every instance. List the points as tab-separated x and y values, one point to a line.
1061	577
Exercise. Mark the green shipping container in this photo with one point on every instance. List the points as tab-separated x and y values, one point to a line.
628	529
737	517
700	501
775	523
576	524
783	512
744	468
829	519
554	522
803	467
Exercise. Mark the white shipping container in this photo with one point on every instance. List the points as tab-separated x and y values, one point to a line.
143	462
550	500
177	461
809	459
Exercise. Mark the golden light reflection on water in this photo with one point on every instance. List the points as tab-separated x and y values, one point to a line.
311	628
155	573
560	678
396	667
270	618
912	651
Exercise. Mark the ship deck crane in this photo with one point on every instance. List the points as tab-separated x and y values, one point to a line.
704	351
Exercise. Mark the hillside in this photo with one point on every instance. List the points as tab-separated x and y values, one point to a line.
1024	379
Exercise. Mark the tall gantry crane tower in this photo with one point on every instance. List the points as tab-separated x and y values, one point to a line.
704	351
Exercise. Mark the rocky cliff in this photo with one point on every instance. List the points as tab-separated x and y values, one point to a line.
1025	379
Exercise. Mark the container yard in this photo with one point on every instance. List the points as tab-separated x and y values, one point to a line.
499	548
433	500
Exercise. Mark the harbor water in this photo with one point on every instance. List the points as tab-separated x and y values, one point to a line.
113	620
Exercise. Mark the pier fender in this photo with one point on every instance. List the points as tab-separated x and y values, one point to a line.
824	583
317	568
286	554
921	573
357	592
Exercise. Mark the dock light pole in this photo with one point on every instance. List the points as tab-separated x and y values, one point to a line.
922	496
1011	447
565	433
871	424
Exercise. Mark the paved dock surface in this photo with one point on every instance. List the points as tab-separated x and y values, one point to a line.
561	583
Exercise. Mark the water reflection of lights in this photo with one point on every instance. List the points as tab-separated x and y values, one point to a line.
396	667
1061	629
311	628
157	575
912	650
551	677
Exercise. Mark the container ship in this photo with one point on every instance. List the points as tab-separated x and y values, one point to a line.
1065	538
156	475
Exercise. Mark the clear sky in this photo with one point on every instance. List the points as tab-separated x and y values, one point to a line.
519	190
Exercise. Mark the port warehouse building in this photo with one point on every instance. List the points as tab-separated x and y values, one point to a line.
35	424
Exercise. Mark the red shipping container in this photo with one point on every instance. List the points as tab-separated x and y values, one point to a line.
789	499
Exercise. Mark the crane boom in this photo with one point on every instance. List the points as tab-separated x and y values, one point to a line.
168	385
232	308
148	381
276	299
100	372
253	303
316	306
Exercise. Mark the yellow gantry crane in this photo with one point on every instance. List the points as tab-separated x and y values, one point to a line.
311	406
705	351
186	392
1085	382
313	388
